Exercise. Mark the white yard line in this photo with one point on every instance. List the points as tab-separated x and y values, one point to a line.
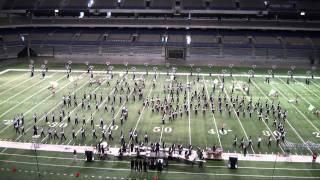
271	132
244	131
13	79
168	172
71	112
135	128
52	109
160	141
18	84
315	84
298	135
307	88
99	107
162	126
304	116
25	89
162	73
213	117
189	110
27	99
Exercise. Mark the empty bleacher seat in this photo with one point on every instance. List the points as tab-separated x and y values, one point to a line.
193	4
252	5
161	4
281	5
308	5
135	4
222	4
77	4
49	4
103	4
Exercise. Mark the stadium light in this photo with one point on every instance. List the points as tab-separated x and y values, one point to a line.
81	15
108	14
188	38
302	13
266	3
90	3
56	11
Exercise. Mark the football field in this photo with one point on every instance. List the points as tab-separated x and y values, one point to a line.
197	125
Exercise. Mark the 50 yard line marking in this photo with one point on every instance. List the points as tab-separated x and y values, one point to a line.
188	88
168	100
213	117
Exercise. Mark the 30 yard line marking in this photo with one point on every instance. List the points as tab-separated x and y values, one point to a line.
213	117
135	128
189	110
263	121
245	133
294	130
304	116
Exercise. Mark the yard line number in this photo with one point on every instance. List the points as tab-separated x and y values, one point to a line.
158	129
224	132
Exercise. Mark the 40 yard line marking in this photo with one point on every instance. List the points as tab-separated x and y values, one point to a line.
105	99
213	117
135	128
244	131
189	108
71	112
294	130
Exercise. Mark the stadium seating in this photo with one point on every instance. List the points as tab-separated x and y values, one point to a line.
162	4
193	4
133	4
252	5
49	4
223	4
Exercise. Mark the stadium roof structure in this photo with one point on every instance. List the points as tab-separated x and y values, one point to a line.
216	14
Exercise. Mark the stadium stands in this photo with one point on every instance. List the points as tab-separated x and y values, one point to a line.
252	5
134	4
193	4
162	4
223	4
